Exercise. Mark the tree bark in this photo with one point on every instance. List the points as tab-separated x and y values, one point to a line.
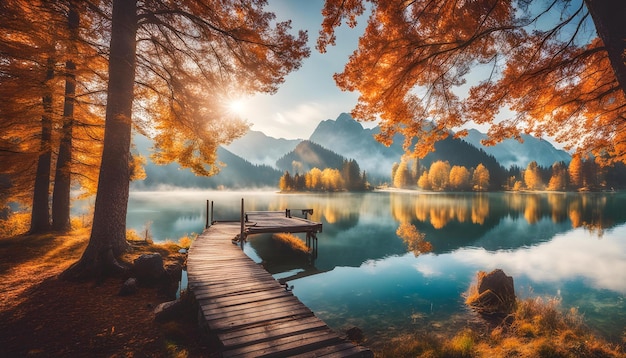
609	18
62	178
40	215
108	235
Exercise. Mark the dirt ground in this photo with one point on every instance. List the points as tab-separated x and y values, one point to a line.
43	316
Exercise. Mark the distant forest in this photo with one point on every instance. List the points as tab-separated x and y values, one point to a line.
349	178
579	175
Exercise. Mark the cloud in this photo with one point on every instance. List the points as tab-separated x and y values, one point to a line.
573	255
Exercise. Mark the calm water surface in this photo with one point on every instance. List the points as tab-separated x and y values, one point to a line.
566	246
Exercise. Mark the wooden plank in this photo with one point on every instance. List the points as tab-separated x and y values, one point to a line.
251	335
244	298
346	349
251	313
259	318
244	310
287	346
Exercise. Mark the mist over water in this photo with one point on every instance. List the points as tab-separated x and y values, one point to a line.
570	246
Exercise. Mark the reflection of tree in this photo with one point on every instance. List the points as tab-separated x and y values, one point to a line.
557	207
480	209
414	239
531	209
575	213
400	205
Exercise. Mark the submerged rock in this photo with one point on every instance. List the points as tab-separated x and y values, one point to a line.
355	334
494	293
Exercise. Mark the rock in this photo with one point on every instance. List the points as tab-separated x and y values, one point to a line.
174	271
148	268
129	287
171	281
168	311
494	293
355	334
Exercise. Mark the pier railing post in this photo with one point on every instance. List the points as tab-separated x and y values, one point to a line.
208	213
241	237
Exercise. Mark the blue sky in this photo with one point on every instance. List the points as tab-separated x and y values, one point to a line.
308	95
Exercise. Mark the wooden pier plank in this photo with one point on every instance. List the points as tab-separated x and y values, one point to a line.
251	313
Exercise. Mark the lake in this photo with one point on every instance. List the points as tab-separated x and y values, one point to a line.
568	246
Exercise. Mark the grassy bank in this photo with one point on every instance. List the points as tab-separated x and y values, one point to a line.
537	328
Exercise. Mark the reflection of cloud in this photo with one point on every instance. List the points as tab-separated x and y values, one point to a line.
426	270
602	264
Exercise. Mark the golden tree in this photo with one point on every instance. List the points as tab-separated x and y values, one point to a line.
187	58
439	175
459	178
424	181
480	178
558	180
50	83
540	60
575	171
532	178
401	175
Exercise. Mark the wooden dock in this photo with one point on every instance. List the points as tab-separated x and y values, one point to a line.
250	312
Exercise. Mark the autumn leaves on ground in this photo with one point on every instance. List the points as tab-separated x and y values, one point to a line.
43	316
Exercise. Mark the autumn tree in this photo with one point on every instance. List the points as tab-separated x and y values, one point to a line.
26	111
313	179
42	38
575	171
439	175
540	60
459	178
286	182
402	175
332	180
532	178
558	180
187	58
424	181
480	178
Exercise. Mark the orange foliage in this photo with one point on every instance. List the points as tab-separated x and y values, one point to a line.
543	63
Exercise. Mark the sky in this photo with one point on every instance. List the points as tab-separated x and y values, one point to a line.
308	95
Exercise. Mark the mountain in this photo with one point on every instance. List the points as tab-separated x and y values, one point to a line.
309	155
348	138
510	152
237	174
259	148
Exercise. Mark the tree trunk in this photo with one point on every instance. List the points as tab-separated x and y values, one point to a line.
608	17
62	177
40	215
108	234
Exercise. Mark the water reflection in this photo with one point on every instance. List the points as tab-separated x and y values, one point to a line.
367	274
592	211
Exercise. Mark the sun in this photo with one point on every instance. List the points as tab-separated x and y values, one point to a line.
237	106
